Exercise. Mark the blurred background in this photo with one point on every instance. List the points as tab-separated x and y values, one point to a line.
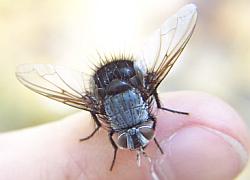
68	33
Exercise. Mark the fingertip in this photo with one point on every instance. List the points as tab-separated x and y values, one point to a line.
204	109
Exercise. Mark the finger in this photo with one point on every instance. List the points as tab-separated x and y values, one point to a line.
193	145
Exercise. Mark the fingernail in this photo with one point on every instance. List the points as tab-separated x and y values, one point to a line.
236	145
200	153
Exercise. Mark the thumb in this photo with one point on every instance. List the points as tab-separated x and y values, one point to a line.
210	143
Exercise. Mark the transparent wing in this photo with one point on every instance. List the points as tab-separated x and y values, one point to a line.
165	45
57	83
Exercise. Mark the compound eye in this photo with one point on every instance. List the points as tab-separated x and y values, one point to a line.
122	141
147	132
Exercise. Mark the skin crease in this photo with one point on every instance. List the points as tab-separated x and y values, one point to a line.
53	151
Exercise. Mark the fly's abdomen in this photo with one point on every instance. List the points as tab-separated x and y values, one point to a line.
126	109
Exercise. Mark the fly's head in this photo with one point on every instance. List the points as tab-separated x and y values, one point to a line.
137	137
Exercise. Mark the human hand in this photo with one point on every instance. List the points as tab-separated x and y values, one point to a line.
211	143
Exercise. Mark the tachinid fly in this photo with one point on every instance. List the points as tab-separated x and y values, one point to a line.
123	88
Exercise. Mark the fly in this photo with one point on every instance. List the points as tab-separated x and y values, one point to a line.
122	88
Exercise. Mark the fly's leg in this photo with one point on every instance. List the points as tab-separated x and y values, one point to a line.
158	103
158	145
156	142
115	149
98	125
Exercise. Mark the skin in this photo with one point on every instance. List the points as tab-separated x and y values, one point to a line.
210	143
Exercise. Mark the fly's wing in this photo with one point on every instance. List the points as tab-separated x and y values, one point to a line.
57	83
165	46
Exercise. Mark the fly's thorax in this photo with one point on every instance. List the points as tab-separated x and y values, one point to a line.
136	137
126	109
115	77
117	69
